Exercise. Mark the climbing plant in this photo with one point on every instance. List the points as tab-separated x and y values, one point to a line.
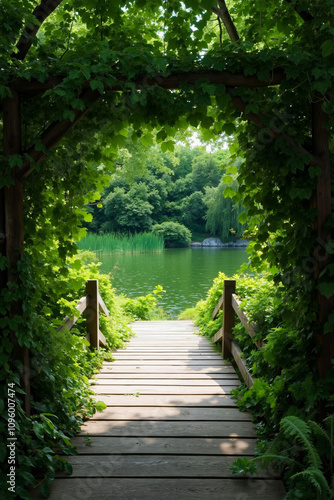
74	75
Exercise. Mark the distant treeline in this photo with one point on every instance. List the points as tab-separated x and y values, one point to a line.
185	187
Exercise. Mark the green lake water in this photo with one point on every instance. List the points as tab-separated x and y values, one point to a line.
185	273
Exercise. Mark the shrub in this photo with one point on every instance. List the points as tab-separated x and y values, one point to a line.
144	307
173	233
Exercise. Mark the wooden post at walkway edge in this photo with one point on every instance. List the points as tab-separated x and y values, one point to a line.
92	313
228	317
13	234
322	203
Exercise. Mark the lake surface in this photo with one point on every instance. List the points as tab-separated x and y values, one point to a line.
185	273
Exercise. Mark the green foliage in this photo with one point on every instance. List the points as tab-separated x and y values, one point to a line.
222	215
243	466
129	211
152	187
193	211
60	368
286	388
173	233
304	451
189	313
144	307
83	48
111	243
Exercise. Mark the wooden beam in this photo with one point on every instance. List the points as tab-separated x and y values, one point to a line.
55	132
218	336
41	13
102	307
237	355
322	202
12	199
102	339
70	321
218	307
171	82
228	317
92	313
245	321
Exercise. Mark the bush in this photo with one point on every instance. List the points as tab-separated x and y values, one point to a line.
173	233
144	307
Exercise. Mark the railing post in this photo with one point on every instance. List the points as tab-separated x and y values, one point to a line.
92	313
228	317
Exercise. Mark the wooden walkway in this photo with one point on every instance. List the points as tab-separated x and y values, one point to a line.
170	430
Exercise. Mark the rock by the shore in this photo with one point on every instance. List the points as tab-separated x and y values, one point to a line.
212	242
216	242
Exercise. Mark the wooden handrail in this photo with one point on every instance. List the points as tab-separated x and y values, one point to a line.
230	304
93	303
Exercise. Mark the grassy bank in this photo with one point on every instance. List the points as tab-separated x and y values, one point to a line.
115	243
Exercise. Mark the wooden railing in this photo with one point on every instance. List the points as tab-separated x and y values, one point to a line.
230	304
93	304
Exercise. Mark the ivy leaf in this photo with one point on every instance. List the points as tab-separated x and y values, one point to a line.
86	72
228	179
100	406
329	326
252	108
243	217
147	139
22	493
97	85
326	289
45	489
327	48
28	477
38	430
229	192
69	114
15	161
167	146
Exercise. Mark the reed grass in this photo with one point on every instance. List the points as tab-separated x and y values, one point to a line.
116	243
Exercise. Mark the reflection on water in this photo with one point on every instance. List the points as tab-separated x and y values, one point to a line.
185	273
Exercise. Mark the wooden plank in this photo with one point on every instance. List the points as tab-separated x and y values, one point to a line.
171	413
175	350
184	383
218	336
113	377
245	321
162	389
168	400
218	307
236	352
132	356
165	445
170	362
166	368
165	489
154	466
167	429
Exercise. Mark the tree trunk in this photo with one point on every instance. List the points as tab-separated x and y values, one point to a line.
12	203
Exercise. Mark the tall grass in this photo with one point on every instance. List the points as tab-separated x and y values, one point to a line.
115	243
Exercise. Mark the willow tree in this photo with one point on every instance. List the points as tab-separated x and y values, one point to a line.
259	71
